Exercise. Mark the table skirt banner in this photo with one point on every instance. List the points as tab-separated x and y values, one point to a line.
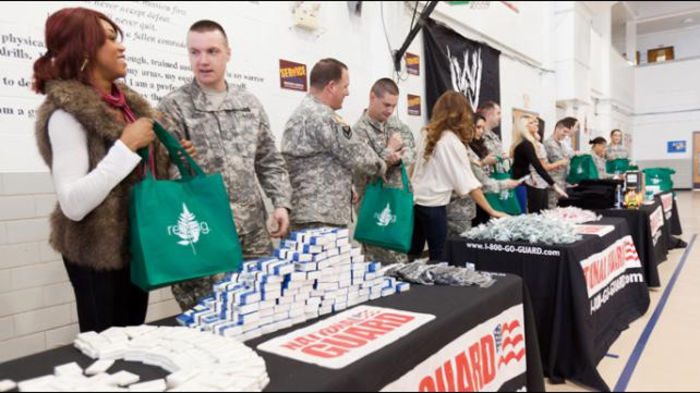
667	203
656	220
610	270
489	357
345	338
584	294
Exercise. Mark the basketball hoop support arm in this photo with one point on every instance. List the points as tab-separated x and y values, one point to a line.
398	54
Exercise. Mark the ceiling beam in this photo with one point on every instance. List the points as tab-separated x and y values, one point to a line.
666	16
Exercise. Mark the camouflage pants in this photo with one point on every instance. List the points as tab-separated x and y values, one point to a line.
256	244
298	226
553	197
456	228
460	213
378	254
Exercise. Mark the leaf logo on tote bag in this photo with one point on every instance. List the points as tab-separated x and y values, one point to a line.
385	218
188	229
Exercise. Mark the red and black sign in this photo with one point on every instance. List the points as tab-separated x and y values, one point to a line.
292	75
413	105
412	64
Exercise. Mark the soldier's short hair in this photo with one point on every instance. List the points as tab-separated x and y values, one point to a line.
384	86
325	71
567	122
487	106
205	25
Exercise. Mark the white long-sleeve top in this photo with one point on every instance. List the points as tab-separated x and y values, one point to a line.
79	191
447	170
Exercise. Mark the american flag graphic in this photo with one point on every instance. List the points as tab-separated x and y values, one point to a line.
497	336
511	342
630	251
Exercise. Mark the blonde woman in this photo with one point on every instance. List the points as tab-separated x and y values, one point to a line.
524	153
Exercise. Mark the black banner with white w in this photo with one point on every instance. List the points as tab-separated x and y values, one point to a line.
453	62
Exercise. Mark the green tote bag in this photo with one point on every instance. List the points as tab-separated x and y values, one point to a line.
659	177
617	166
180	229
504	201
385	218
582	168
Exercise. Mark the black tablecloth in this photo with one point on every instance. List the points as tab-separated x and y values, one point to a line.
457	310
574	329
652	246
671	214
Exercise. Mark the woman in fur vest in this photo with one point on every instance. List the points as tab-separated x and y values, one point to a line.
88	131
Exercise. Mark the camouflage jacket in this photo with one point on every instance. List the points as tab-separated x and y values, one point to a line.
464	208
322	153
234	140
557	150
376	136
616	151
600	166
493	143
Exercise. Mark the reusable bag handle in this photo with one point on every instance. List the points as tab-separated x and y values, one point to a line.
404	178
173	147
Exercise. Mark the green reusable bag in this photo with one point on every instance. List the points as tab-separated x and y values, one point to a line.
180	229
505	201
582	168
385	218
617	166
659	177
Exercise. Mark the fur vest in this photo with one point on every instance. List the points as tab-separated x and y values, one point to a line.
101	239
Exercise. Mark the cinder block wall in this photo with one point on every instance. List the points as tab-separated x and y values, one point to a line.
37	304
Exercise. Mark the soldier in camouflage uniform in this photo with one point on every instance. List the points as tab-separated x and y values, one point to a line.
598	147
322	152
231	132
392	141
492	113
557	150
615	149
461	210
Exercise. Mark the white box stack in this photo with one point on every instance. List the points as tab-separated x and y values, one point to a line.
314	272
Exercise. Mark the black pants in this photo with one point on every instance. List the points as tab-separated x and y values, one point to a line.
106	298
430	223
537	199
481	217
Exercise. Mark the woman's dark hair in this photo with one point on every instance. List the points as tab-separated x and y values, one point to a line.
598	141
478	145
71	35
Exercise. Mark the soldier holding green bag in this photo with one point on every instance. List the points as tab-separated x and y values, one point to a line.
392	141
232	133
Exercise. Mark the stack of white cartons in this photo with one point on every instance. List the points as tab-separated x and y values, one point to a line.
196	361
314	272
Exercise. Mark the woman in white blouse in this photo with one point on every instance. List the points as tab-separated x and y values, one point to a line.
443	166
